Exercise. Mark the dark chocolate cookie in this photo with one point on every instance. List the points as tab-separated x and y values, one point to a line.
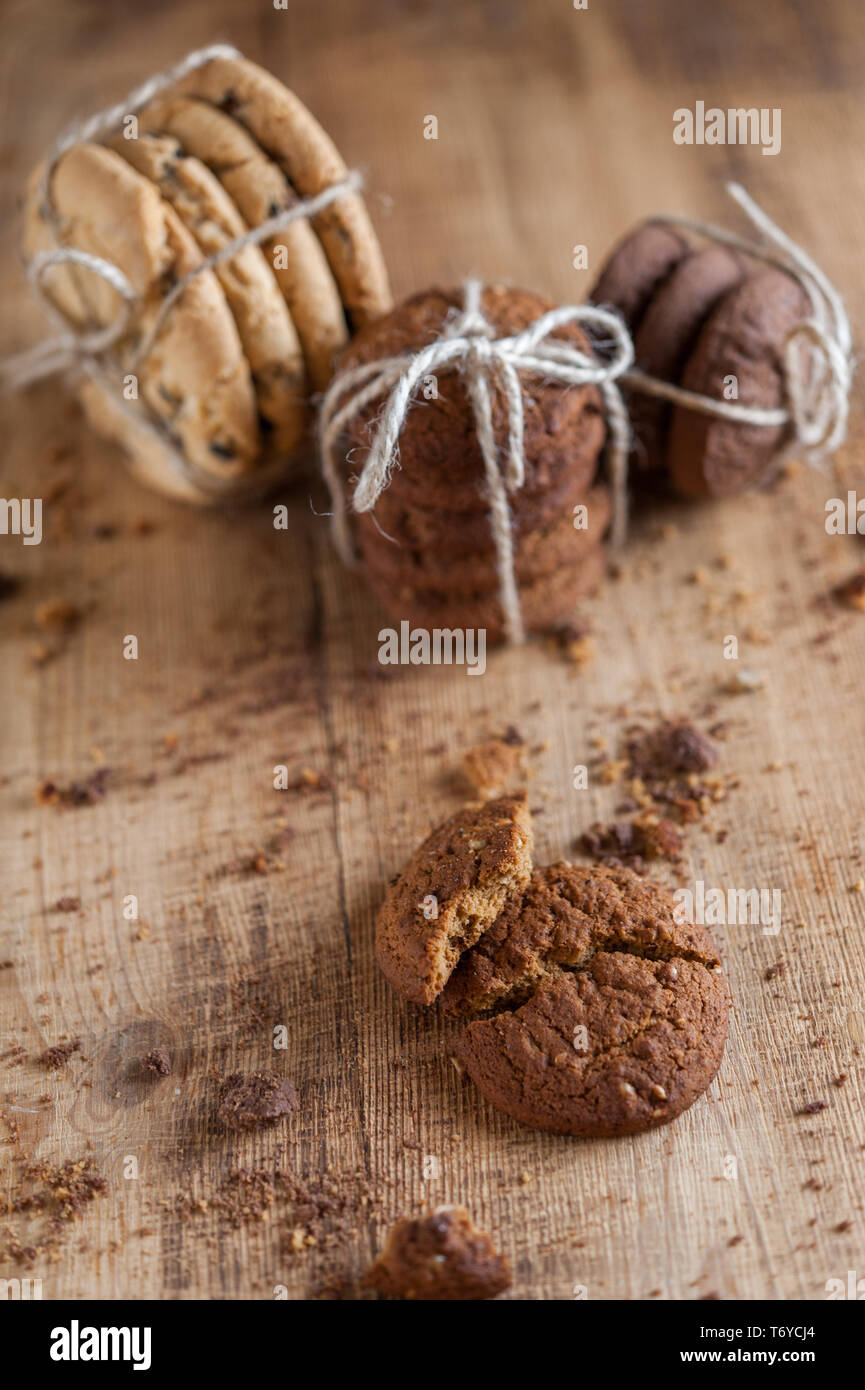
457	532
625	1013
636	268
666	336
451	890
440	463
545	603
536	553
440	1257
743	338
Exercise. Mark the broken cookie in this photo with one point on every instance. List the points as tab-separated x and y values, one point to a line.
616	1013
441	1257
453	888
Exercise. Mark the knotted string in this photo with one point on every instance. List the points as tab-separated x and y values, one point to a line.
469	346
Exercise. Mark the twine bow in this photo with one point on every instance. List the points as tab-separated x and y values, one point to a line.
468	345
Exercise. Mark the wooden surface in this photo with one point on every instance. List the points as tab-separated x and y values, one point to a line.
256	650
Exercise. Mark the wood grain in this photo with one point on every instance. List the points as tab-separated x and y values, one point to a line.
256	650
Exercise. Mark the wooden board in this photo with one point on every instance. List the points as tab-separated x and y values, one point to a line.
255	650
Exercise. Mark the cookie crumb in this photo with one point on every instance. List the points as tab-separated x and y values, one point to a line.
255	1100
85	791
57	1056
56	615
440	1257
812	1107
67	904
157	1061
9	585
745	682
491	766
851	593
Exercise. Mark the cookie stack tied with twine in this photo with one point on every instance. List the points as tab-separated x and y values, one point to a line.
742	352
207	255
472	423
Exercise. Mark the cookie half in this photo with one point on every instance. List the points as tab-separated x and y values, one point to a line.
451	890
743	339
612	1015
288	133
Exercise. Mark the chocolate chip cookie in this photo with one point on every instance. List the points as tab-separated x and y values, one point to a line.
265	326
194	378
546	603
260	190
289	134
537	553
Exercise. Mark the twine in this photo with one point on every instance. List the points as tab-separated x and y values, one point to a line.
88	349
469	346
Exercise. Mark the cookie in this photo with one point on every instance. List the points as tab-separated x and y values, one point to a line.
636	269
283	128
536	553
440	462
195	377
264	324
744	338
625	1021
545	603
455	533
260	190
151	458
667	333
567	914
440	1257
451	890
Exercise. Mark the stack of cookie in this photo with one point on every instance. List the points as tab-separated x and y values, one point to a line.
428	548
713	321
216	391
